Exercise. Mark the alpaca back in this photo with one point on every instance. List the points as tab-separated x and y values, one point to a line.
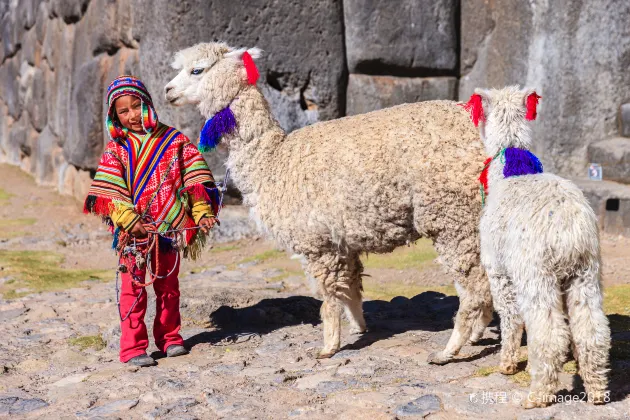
357	181
543	221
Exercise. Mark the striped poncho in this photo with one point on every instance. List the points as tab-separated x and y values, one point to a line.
131	171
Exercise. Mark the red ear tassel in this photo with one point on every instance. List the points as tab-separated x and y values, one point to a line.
250	67
532	102
475	107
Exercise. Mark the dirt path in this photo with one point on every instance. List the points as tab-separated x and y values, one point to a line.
253	324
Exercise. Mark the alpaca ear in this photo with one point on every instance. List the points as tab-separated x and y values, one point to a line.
255	53
237	54
530	100
178	61
475	105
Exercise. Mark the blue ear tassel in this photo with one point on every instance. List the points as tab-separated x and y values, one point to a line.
216	127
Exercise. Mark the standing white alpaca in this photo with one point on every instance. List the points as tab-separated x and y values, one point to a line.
540	249
336	189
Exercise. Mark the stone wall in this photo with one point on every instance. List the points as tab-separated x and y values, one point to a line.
321	60
575	53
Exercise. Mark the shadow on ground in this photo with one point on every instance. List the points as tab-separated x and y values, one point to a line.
428	311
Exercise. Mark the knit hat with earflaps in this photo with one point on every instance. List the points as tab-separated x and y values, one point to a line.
129	85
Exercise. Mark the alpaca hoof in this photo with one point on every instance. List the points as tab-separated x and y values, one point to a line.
358	331
508	369
326	354
535	401
599	398
436	359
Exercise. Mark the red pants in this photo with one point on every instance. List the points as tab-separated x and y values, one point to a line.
134	339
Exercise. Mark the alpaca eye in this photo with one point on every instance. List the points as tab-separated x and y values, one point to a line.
196	71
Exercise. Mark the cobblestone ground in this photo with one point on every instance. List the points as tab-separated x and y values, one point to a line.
253	327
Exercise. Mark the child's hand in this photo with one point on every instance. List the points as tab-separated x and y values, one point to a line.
206	223
138	230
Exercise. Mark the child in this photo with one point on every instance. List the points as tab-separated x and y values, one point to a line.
154	188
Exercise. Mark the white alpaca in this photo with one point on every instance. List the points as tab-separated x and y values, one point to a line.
336	189
540	249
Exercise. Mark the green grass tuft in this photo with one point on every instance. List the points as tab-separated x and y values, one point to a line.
418	255
264	256
486	370
387	291
40	271
88	341
617	299
225	248
5	196
10	223
570	367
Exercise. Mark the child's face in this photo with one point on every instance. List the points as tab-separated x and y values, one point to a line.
129	112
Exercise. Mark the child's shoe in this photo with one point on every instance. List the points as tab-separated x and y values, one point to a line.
176	350
142	360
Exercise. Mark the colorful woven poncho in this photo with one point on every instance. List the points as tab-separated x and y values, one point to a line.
131	171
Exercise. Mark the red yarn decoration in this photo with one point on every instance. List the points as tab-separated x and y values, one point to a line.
483	178
250	67
532	102
475	107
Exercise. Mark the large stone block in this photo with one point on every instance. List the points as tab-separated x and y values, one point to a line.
70	11
17	145
102	24
52	46
32	94
559	49
31	51
624	120
9	32
27	12
369	93
44	150
614	156
41	21
125	12
9	92
4	131
58	97
302	42
36	103
405	35
84	143
287	108
611	202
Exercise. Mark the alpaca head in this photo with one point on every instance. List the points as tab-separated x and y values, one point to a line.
503	115
210	75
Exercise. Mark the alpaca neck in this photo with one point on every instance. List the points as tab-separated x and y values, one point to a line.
513	161
253	147
495	172
254	119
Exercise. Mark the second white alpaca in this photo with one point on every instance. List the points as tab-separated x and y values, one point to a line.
540	249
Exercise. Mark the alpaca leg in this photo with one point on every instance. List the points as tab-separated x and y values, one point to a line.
479	327
337	277
331	317
456	240
471	307
590	333
504	300
354	310
548	337
353	299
